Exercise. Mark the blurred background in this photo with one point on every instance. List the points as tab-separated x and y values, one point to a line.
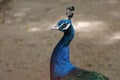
26	43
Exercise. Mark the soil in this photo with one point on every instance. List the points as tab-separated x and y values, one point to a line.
26	41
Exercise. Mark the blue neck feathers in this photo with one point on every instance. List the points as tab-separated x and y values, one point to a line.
60	64
66	39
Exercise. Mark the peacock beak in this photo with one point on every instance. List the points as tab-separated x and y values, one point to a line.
55	28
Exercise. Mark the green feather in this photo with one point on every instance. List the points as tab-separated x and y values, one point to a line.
80	74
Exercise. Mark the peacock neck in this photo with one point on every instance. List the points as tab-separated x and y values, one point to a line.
66	39
60	64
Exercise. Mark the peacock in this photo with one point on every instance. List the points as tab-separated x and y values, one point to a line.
60	66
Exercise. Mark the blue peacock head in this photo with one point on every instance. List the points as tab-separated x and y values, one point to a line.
63	25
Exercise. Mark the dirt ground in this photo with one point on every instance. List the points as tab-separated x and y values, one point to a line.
26	43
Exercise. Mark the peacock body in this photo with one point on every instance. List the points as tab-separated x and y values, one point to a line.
60	65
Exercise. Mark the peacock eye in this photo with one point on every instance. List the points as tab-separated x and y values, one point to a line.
64	25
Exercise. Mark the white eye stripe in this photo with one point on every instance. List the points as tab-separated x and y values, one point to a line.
68	25
61	25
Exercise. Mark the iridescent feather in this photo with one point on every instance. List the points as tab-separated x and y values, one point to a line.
60	65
